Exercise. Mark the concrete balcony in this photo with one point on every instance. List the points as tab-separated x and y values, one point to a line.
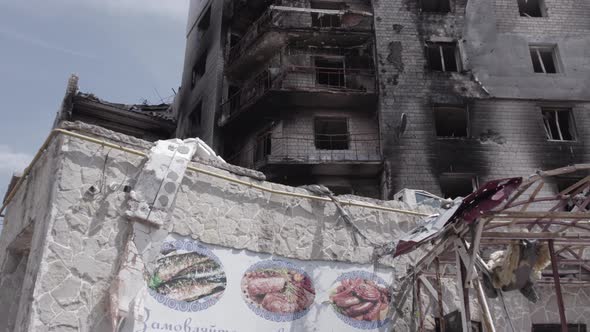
301	86
280	26
350	154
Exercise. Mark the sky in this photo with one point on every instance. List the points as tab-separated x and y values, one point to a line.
123	51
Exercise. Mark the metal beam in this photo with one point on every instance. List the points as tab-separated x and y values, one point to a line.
485	309
558	294
463	306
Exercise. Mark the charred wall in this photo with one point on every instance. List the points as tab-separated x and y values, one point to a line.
502	95
204	91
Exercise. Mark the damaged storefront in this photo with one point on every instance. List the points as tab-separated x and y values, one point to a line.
106	232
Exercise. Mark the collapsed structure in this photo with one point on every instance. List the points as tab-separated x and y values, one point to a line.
124	221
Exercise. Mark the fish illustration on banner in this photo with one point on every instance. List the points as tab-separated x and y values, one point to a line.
196	287
189	277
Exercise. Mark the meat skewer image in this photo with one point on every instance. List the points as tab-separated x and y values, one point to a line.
278	290
361	300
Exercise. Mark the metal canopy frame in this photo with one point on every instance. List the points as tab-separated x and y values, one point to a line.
524	215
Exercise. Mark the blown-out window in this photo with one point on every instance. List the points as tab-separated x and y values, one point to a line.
544	59
451	121
263	146
559	124
436	6
331	133
199	69
194	120
531	8
330	71
443	57
458	185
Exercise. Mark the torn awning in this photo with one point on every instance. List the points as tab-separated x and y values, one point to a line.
484	199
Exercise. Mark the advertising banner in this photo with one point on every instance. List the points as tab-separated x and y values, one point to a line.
194	287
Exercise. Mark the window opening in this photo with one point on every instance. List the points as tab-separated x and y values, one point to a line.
330	71
544	59
322	20
530	8
453	186
234	98
443	57
194	120
436	6
559	124
199	70
205	21
331	134
451	121
263	147
234	39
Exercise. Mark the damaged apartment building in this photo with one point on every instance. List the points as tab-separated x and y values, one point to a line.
370	97
127	220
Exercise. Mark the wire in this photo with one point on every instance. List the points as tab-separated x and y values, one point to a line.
250	184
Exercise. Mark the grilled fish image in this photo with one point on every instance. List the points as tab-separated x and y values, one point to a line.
205	269
171	266
189	289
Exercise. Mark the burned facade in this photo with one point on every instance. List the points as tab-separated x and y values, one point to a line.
370	97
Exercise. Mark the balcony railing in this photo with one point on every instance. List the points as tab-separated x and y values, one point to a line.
310	149
289	18
299	78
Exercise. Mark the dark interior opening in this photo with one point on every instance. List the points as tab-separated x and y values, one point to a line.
234	98
331	134
436	6
234	39
194	120
263	146
530	8
451	121
453	186
559	124
330	71
543	60
205	21
321	20
442	57
199	69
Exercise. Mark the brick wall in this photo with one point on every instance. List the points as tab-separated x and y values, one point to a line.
417	158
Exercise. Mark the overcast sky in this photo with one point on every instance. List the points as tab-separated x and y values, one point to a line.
123	50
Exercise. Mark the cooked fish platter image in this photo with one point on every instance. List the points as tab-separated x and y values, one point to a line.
188	276
361	299
278	290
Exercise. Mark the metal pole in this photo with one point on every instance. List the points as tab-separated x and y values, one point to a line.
560	305
419	302
441	311
464	305
485	309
